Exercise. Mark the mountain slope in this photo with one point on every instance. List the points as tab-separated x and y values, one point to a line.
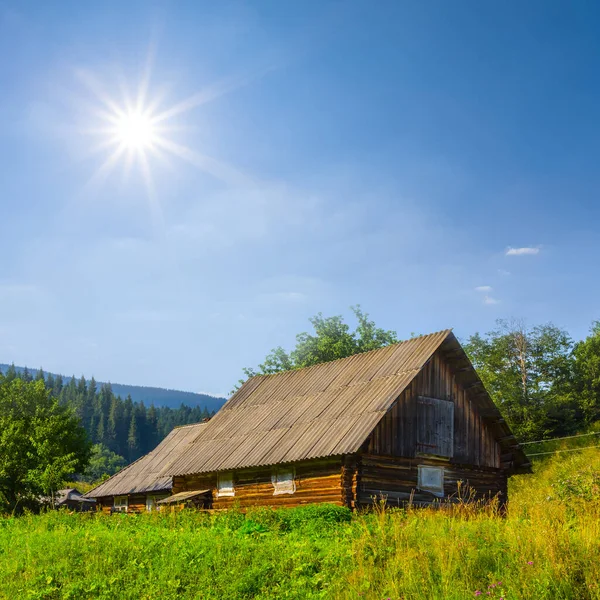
150	395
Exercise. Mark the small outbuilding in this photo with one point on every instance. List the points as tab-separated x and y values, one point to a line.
144	483
73	499
408	422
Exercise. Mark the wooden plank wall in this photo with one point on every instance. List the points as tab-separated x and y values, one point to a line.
316	481
395	435
396	480
135	504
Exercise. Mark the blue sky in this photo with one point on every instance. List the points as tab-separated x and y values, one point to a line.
386	154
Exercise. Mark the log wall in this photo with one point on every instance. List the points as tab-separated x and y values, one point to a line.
316	481
396	434
396	480
134	504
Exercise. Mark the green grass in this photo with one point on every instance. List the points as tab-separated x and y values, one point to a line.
547	547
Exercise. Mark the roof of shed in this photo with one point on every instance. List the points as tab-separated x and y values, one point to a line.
324	410
150	473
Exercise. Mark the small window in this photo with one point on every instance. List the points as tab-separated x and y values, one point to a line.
225	485
431	479
120	504
283	481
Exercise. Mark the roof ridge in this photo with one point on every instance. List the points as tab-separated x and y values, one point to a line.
188	425
328	362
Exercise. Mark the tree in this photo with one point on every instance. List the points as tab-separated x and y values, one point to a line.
332	339
11	373
42	444
103	462
587	374
528	373
133	438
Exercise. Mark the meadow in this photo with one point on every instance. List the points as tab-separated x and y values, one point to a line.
547	546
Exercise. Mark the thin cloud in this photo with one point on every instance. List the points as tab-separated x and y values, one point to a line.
503	272
521	251
489	300
483	288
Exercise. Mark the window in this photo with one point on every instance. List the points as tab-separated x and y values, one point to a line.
151	502
225	485
120	504
435	427
431	479
283	481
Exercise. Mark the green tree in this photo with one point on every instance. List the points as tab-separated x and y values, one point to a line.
42	444
528	372
332	339
11	373
587	374
103	462
133	437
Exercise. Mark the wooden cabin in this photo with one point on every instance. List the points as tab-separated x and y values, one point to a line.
73	499
407	422
142	484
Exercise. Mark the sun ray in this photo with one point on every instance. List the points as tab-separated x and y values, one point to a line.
138	132
206	163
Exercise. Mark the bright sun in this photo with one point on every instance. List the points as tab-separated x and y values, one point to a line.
136	131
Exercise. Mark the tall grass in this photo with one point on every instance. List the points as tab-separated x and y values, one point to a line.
548	546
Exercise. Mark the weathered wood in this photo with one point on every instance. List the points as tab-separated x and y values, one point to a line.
327	480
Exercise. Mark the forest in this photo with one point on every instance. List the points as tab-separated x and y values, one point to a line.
120	430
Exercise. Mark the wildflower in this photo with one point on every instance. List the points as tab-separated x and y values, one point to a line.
477	592
529	562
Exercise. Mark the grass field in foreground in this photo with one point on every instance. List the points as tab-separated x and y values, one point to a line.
547	547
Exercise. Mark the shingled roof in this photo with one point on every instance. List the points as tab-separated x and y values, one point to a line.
150	472
325	410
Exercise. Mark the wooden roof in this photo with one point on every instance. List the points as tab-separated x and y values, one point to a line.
325	410
150	473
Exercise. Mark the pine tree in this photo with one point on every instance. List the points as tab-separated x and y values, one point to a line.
51	383
133	442
39	376
11	373
26	375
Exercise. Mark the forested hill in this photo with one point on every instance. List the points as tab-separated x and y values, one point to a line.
147	395
120	428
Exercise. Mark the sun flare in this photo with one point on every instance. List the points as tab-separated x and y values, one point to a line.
136	130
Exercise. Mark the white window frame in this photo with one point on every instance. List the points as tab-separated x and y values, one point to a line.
120	503
424	481
224	490
284	481
152	499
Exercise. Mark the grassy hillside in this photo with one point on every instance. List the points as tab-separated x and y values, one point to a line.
547	547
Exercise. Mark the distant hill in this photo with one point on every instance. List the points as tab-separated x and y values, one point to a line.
149	395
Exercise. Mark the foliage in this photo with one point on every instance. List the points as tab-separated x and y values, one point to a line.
587	374
128	429
41	444
332	339
544	548
529	374
103	462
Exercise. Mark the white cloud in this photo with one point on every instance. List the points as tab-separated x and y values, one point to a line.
521	251
483	288
503	272
489	300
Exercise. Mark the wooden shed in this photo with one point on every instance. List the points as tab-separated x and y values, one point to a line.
142	484
405	422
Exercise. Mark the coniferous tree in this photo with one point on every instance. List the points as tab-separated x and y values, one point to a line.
11	373
133	442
